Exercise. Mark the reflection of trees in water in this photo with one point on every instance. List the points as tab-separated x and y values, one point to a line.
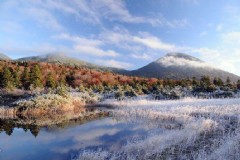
9	125
27	123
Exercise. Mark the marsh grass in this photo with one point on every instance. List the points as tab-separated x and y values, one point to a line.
191	129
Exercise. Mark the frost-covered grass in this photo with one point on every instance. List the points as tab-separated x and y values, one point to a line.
49	103
190	129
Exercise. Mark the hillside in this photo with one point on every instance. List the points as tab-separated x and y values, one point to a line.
61	58
57	58
4	57
181	66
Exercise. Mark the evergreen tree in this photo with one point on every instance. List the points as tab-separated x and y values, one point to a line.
220	82
194	82
215	81
36	77
16	78
205	81
7	78
228	82
50	83
25	80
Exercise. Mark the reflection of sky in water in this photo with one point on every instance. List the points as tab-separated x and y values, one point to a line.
60	143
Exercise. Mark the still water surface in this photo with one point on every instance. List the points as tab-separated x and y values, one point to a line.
61	143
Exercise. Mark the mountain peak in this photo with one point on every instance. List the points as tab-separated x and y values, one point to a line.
183	56
181	66
181	60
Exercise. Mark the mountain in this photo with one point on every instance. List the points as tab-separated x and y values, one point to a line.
61	58
172	66
56	58
4	57
181	66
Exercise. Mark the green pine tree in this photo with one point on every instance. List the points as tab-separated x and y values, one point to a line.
25	80
16	78
50	83
36	77
7	78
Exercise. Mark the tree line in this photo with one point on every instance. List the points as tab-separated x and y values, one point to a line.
30	75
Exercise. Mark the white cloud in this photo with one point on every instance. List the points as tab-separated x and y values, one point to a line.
115	63
143	56
95	51
78	39
153	42
44	18
93	11
173	61
117	11
231	38
86	46
139	42
223	58
36	11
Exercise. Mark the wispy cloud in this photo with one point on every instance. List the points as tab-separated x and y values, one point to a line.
86	46
93	11
173	61
137	41
153	42
44	18
143	56
115	63
232	38
35	11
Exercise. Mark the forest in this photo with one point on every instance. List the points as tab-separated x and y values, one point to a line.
45	76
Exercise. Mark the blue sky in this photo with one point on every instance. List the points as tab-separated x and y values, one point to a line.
123	33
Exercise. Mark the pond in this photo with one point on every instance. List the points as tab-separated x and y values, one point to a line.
61	143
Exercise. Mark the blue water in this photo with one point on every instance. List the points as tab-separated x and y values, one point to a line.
66	143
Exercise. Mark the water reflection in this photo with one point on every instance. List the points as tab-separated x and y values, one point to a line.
66	140
34	124
8	125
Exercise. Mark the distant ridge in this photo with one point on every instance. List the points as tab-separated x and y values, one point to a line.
57	58
64	59
4	57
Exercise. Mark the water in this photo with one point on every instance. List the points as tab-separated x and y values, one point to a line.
183	129
59	143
